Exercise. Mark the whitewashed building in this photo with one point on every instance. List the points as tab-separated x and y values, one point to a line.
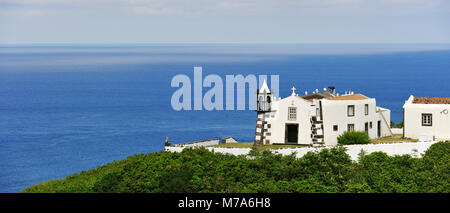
426	118
317	118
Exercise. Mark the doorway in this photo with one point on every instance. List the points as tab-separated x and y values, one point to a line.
379	128
366	128
291	133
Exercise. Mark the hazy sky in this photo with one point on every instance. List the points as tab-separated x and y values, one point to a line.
248	21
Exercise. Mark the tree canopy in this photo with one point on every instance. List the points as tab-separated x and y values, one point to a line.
199	170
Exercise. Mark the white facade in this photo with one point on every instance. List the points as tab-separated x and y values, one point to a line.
296	120
375	121
278	118
426	121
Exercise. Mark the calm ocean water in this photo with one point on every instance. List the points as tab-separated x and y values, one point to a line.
65	109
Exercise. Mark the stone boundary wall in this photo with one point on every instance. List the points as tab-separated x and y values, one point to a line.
397	130
401	148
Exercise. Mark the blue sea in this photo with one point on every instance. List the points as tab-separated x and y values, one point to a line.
69	108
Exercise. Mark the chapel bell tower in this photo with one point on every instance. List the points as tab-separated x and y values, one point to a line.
264	101
264	98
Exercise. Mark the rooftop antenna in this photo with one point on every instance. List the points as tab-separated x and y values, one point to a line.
332	89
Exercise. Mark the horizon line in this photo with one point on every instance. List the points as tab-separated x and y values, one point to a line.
184	43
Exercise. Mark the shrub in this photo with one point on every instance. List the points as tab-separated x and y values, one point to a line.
107	184
353	137
397	125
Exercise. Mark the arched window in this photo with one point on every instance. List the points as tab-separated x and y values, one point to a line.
261	103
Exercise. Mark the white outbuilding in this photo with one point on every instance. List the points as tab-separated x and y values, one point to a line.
426	118
317	118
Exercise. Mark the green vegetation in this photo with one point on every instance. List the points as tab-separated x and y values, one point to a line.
199	170
398	125
353	137
250	145
393	139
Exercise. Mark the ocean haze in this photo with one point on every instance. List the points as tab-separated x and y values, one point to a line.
69	108
85	54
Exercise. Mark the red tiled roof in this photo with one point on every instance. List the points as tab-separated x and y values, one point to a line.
431	100
348	97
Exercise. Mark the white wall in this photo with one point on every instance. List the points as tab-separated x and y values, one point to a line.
385	123
397	130
280	119
353	150
412	148
440	128
335	113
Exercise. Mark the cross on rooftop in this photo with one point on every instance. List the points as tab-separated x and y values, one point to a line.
293	90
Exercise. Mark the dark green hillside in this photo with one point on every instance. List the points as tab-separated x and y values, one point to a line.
199	170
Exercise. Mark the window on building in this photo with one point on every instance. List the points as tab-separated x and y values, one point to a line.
335	128
351	127
351	110
370	125
366	109
292	113
427	119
